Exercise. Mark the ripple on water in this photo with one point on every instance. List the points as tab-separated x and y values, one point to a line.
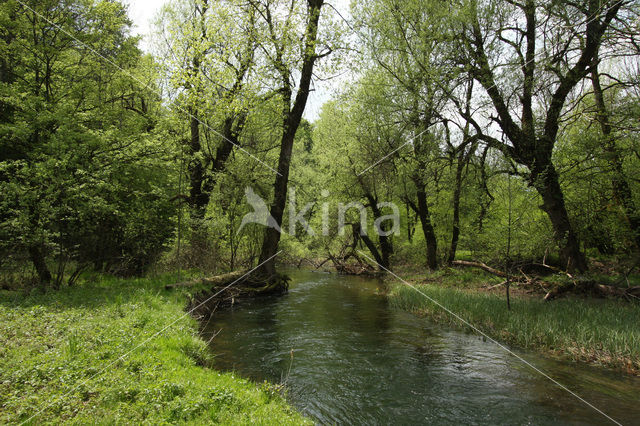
357	361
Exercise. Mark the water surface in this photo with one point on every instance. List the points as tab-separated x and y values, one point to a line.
358	361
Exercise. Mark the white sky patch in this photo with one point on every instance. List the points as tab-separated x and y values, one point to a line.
142	13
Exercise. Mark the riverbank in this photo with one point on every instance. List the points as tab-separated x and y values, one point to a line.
62	353
600	331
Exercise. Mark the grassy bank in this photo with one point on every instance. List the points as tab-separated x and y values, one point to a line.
54	347
601	331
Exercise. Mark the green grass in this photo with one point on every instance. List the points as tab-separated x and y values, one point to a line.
54	347
594	330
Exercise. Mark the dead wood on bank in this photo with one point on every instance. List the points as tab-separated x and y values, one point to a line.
576	285
228	289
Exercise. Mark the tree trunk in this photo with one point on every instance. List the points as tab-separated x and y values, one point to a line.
409	224
455	231
485	202
272	235
427	228
198	199
621	189
386	247
463	160
383	263
37	257
291	120
545	180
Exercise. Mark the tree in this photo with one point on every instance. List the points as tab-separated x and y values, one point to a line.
209	51
278	46
75	139
495	36
619	182
409	42
350	135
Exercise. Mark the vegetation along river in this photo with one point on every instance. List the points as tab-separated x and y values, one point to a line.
357	360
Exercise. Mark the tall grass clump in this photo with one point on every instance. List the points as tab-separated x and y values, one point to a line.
596	330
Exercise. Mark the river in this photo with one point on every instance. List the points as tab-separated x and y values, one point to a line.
345	356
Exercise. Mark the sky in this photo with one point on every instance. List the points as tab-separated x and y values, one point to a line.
142	12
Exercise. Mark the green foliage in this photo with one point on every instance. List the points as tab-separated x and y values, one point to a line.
82	173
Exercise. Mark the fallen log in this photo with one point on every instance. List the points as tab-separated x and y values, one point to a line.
577	285
594	288
227	289
480	265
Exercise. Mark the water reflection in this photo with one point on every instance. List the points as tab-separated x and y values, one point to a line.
358	361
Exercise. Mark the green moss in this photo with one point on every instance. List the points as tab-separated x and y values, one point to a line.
594	330
62	353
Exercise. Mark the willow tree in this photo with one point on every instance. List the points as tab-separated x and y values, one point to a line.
409	41
288	44
353	132
529	56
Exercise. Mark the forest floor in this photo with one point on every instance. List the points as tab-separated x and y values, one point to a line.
586	329
102	352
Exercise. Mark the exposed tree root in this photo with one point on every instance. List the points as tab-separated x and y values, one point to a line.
228	289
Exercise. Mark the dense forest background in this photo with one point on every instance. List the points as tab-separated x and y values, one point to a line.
504	132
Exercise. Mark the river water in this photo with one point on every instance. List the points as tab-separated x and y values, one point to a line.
346	357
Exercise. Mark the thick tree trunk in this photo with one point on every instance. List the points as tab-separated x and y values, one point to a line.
545	180
291	120
272	235
427	228
621	189
198	198
37	257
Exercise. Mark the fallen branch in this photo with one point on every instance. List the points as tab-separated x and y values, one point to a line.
576	285
554	269
480	265
496	286
319	265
